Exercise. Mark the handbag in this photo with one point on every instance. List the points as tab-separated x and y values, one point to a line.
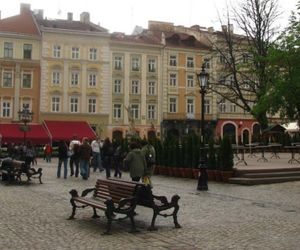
146	180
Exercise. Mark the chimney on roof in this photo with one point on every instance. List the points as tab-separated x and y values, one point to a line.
70	16
230	28
210	29
85	17
39	14
224	28
24	7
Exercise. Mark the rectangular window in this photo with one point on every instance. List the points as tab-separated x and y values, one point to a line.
232	107
151	65
74	104
6	109
206	63
117	86
74	79
7	81
190	62
190	106
93	54
173	60
172	105
56	51
92	105
8	50
55	104
75	53
118	62
173	80
207	106
151	113
135	64
56	78
26	80
222	106
151	88
190	81
92	80
135	87
135	111
27	51
117	111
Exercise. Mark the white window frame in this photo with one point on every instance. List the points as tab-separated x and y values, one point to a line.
4	79
8	50
6	109
190	106
117	111
190	81
190	62
118	62
75	52
56	77
92	105
151	90
152	65
135	63
74	79
92	80
74	104
23	78
172	105
117	86
55	104
93	54
173	60
135	111
173	79
207	106
57	51
151	111
135	87
27	51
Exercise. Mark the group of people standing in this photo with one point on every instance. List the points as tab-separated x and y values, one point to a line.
103	155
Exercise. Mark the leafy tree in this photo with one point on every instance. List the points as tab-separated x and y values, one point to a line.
285	57
244	74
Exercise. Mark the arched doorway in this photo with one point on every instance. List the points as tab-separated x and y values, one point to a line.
245	138
256	133
230	131
117	135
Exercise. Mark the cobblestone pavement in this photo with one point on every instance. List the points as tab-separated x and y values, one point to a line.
225	217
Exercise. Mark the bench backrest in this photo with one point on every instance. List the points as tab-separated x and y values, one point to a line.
112	188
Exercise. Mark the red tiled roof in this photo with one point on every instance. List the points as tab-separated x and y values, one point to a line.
22	24
66	130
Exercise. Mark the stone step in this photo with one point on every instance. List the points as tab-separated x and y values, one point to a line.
263	180
270	174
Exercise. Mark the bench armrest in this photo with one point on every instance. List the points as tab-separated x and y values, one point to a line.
162	199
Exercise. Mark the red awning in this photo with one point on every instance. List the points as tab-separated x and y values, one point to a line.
11	133
66	130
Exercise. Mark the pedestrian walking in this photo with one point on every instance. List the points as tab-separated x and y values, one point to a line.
96	151
136	162
62	158
48	152
117	160
74	159
107	154
85	152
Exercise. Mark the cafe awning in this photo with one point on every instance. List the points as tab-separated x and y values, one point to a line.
66	130
14	133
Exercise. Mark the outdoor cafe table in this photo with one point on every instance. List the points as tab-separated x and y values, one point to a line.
241	150
293	150
251	147
262	148
275	148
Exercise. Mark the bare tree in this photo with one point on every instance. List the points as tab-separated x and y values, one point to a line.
243	77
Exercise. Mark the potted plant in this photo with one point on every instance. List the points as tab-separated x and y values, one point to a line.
226	159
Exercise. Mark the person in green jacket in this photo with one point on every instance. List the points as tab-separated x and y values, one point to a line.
136	162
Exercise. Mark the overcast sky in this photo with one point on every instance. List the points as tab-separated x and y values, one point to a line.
124	15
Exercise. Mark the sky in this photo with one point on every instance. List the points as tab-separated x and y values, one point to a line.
124	15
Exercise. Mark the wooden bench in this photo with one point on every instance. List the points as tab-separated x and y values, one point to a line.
12	170
158	204
111	196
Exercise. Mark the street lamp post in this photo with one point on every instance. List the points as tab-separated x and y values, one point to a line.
203	84
25	116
